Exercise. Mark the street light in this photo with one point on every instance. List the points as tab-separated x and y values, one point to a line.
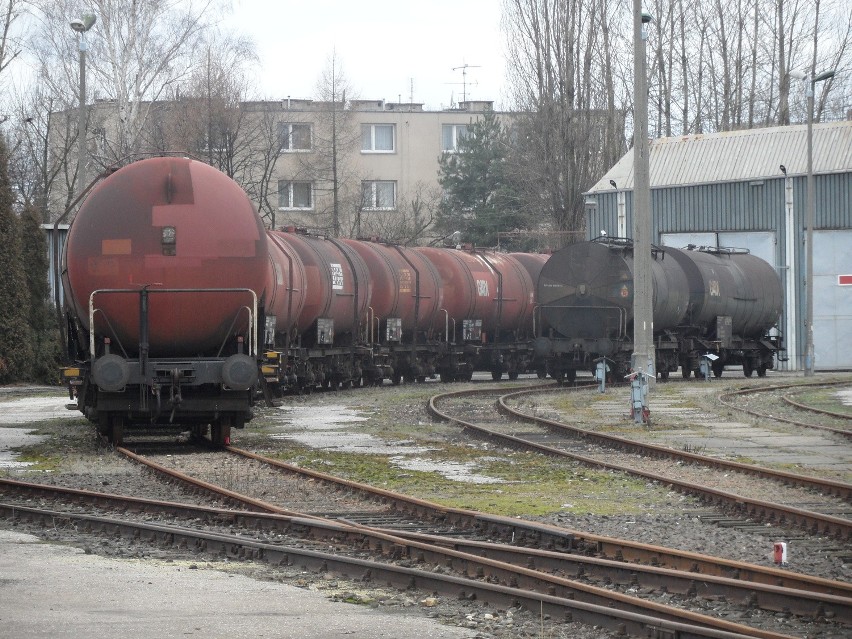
643	358
81	25
810	214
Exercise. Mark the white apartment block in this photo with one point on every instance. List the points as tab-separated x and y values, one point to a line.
387	162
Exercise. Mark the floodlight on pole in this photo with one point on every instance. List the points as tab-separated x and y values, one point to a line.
809	233
80	26
643	358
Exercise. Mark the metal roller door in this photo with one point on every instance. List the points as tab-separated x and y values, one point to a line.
832	299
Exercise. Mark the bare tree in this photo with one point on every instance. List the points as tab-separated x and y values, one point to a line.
263	144
571	129
44	136
335	138
9	45
410	222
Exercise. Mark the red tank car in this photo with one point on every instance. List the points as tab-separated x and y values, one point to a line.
484	292
166	223
164	272
319	296
533	262
336	287
285	288
488	305
405	286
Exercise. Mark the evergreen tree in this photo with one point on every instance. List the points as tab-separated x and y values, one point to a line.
47	350
479	199
15	334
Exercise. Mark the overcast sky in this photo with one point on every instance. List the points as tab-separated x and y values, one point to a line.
384	47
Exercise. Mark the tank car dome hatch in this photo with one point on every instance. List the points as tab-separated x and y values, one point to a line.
166	223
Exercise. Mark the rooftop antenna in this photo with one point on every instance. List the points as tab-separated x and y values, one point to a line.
464	67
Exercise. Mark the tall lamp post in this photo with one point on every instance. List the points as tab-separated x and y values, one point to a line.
81	25
643	358
810	214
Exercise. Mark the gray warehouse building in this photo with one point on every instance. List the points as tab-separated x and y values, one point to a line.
748	189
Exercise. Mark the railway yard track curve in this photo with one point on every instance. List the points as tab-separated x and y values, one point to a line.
247	505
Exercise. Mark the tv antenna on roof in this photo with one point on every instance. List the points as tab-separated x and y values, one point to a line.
464	69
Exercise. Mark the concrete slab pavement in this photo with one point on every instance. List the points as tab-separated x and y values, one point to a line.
50	590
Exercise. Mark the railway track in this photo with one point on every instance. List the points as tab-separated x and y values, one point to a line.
474	546
596	449
567	577
729	399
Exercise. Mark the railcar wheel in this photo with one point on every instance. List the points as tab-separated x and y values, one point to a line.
664	374
396	378
571	375
685	372
761	371
496	375
116	430
748	369
446	378
541	374
220	432
513	375
718	368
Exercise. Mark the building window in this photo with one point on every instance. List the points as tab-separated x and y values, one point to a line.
378	195
377	138
295	195
294	136
451	134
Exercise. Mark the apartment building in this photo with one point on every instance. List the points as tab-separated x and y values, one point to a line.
378	161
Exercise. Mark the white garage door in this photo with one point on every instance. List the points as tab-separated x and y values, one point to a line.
832	300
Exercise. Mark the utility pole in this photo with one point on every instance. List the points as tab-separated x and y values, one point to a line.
80	26
643	358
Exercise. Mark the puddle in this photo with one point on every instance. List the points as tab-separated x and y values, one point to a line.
335	428
320	417
845	397
13	438
455	471
320	427
26	410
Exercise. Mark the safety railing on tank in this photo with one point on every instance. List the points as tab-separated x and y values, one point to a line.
143	292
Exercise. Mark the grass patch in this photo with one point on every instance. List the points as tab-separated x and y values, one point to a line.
823	399
529	484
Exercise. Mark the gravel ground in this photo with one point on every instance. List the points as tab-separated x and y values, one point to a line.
396	416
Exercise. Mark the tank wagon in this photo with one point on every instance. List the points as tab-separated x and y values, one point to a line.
384	311
164	269
721	302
